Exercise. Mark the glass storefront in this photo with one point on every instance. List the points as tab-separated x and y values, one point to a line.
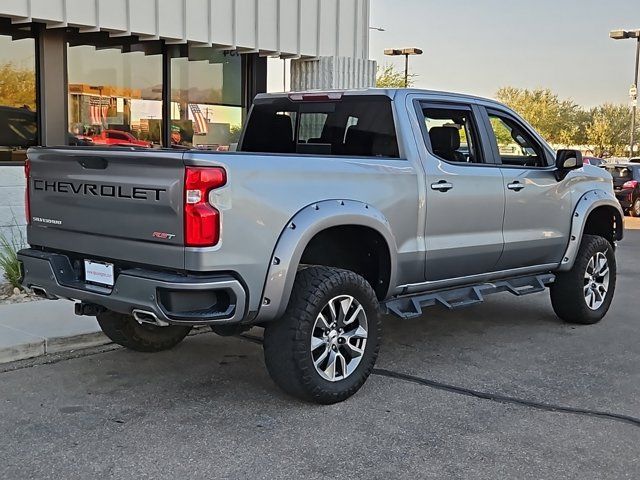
18	116
206	98
115	94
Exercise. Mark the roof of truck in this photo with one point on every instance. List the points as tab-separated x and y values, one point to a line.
389	92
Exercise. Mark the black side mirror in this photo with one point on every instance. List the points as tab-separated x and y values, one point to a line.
567	160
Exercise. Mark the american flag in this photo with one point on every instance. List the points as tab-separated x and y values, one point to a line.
98	111
200	126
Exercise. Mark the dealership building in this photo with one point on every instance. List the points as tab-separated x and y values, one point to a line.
159	73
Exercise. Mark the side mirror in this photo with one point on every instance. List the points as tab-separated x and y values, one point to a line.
567	160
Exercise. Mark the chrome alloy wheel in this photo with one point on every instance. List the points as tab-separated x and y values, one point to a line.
596	281
339	338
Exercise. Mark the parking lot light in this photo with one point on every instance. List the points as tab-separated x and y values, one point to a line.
633	92
394	52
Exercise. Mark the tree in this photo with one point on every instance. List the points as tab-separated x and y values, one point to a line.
17	86
608	130
389	77
559	121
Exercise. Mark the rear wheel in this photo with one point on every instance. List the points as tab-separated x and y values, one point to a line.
126	331
324	347
584	293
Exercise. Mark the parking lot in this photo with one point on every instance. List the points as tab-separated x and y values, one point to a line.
467	394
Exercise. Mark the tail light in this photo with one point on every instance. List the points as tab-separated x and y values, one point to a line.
632	184
27	197
201	219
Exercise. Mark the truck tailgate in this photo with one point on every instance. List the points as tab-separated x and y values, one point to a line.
119	204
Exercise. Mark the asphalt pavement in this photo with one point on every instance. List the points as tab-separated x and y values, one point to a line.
501	390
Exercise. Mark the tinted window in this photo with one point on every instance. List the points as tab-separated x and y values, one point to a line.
354	125
452	134
515	145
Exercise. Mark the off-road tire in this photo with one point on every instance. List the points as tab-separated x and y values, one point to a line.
567	292
126	331
634	209
287	340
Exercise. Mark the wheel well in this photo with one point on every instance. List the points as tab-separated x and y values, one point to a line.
605	222
360	249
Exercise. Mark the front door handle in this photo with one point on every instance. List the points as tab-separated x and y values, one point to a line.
442	186
515	186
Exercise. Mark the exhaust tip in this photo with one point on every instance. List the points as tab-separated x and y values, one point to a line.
42	293
145	316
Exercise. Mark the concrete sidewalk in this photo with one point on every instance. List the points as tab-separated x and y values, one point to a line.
36	328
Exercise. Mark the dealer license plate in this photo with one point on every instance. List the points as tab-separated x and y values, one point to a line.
98	272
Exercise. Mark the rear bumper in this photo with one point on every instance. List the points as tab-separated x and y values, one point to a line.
625	198
175	299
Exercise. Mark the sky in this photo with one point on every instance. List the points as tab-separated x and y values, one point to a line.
478	46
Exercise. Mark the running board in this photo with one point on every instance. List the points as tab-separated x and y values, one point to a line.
411	306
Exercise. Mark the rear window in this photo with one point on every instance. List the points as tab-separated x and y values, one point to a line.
620	172
355	125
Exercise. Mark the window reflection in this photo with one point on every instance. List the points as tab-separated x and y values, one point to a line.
206	98
18	118
115	95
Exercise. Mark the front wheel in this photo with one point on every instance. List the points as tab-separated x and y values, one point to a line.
584	293
325	346
634	209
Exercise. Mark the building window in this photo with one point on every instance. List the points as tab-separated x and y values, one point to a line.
18	114
206	98
115	93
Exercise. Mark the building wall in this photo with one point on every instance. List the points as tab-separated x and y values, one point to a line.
12	218
289	28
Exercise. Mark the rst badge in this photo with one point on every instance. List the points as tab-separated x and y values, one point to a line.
164	235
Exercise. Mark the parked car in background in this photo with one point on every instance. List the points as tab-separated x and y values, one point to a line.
634	160
119	138
595	161
626	185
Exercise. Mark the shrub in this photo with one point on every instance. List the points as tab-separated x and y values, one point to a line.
9	259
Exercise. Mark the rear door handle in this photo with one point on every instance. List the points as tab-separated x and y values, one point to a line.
442	186
515	186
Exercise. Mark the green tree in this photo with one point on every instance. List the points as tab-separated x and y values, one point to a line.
388	77
559	121
17	86
609	128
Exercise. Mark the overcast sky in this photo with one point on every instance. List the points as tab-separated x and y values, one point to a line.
478	46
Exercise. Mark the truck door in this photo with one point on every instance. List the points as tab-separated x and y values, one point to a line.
538	209
465	196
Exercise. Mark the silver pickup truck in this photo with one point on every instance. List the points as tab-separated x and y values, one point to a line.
337	207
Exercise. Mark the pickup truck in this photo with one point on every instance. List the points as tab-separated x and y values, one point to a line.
337	208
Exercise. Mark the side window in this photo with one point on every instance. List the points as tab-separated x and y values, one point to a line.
453	134
515	145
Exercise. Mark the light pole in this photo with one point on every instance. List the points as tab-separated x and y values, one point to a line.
395	52
633	92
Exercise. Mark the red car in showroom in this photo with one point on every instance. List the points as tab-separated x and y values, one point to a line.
119	138
626	184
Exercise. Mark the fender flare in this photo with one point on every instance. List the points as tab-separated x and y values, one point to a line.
588	203
297	234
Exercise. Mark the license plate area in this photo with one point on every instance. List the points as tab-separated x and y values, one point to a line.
99	273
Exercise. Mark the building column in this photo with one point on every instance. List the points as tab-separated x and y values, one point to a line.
327	73
52	86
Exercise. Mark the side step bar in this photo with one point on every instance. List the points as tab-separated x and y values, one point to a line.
410	306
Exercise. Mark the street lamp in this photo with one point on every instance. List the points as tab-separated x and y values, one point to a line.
633	92
395	52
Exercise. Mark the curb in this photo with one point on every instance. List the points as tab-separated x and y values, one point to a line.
44	346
